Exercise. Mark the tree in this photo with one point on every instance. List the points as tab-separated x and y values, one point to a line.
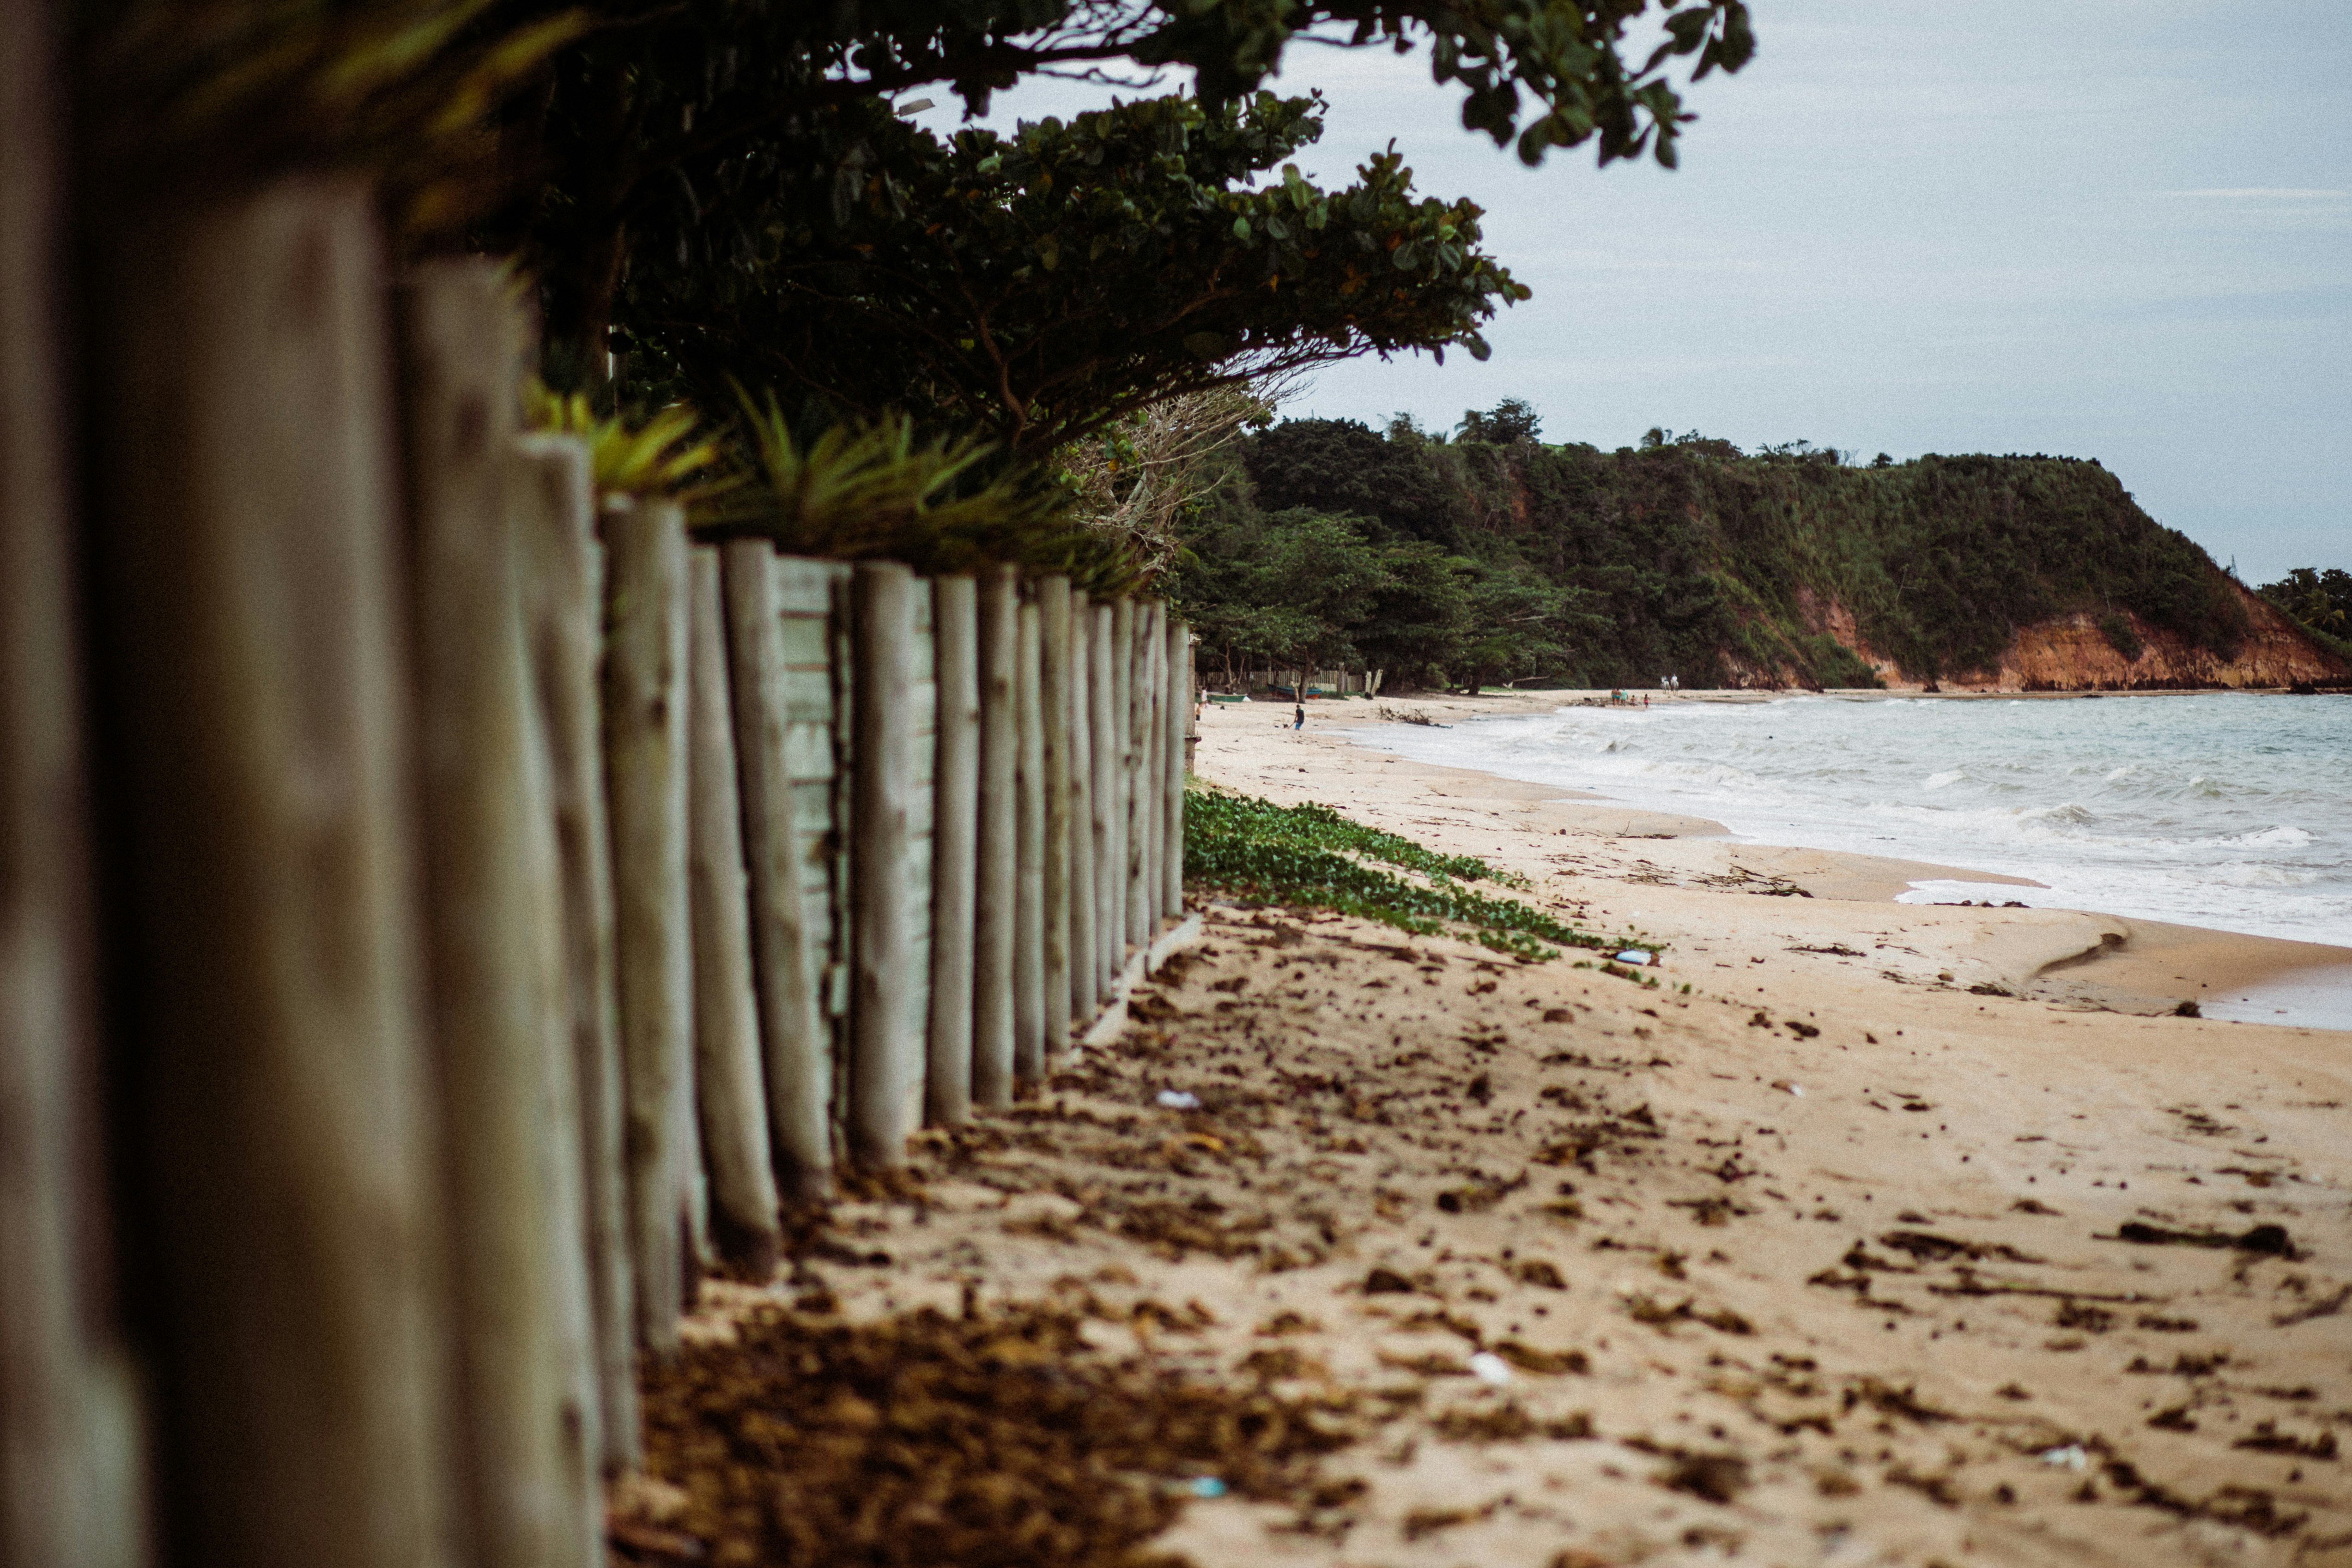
666	130
1042	287
1509	421
2320	600
1136	480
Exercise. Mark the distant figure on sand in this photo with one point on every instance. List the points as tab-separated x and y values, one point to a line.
1298	720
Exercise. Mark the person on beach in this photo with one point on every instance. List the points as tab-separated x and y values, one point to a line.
1298	719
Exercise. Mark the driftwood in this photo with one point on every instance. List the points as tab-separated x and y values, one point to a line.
1029	862
955	826
1000	757
1054	760
563	618
644	771
274	1090
729	1089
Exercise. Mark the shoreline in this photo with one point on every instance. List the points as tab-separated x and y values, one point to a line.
2083	960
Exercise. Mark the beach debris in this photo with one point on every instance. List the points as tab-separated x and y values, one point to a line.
1178	1100
1206	1485
1488	1367
2265	1240
1637	955
1386	1283
2070	1458
1788	1088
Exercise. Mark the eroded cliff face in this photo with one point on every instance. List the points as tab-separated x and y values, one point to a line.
2074	654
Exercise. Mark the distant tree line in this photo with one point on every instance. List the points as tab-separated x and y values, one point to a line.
1483	556
2320	601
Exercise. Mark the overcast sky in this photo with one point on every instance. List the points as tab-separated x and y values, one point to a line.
2118	229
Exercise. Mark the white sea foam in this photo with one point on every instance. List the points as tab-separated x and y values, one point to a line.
2231	812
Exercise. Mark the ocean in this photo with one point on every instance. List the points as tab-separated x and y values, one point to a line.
2231	812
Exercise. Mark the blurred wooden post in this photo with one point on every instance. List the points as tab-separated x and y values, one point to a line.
644	771
1102	700
1054	760
730	1091
886	1068
1000	757
1143	896
70	1443
1171	760
795	1038
955	826
1085	907
1126	846
1029	862
563	618
275	1082
493	905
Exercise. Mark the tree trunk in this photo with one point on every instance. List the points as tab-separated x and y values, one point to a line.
730	1091
275	1080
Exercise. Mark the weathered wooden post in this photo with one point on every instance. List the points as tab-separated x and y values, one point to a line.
1171	804
274	1084
795	1037
1103	731
886	1069
644	771
494	937
955	850
70	1437
1000	758
1144	890
1085	968
730	1091
563	570
1029	862
1053	706
1127	844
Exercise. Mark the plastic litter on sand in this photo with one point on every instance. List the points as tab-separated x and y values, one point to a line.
1488	1367
1178	1099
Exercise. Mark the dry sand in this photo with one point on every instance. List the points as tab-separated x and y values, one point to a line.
1866	1248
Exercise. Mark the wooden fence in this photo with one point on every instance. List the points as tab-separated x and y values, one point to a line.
494	909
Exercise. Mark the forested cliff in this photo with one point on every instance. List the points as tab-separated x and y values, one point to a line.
1477	561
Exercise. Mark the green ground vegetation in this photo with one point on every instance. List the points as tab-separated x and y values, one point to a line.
1463	561
1310	856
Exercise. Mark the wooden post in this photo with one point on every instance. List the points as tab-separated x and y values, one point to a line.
1171	804
795	1040
886	1069
562	571
274	1081
1127	844
730	1091
644	771
1102	699
1143	890
955	827
1086	969
1029	862
70	1441
1053	705
999	760
493	933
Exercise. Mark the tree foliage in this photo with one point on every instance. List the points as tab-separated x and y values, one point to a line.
1040	286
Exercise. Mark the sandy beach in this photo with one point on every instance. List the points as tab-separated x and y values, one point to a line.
1850	1232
